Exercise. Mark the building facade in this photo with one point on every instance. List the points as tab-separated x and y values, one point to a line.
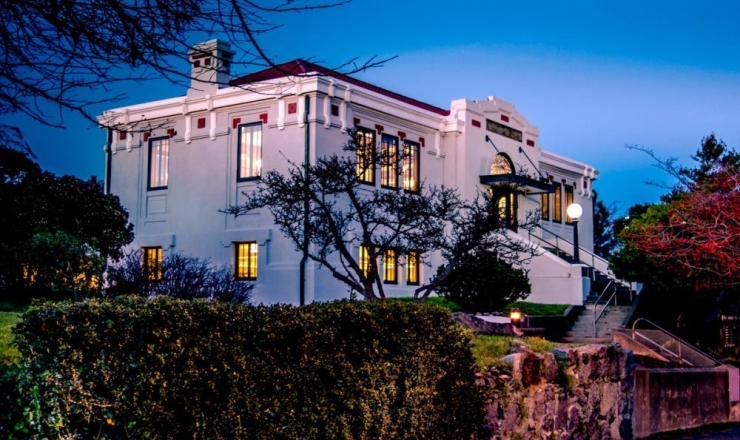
177	163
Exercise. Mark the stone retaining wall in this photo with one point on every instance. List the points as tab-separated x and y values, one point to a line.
571	393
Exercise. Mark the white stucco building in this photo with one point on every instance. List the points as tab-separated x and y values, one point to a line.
175	163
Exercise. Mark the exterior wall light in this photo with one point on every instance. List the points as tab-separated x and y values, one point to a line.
575	211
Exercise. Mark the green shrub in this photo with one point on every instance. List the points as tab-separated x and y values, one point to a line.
433	300
483	282
172	369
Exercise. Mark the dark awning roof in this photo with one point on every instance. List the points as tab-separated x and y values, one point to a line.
529	185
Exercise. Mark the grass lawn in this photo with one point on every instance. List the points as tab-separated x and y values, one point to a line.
8	353
489	349
537	309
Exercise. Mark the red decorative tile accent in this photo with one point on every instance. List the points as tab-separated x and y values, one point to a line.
551	177
504	118
585	184
334	110
292	107
201	122
121	135
475	122
235	122
171	132
357	121
263	118
421	141
563	180
146	135
379	128
530	142
402	135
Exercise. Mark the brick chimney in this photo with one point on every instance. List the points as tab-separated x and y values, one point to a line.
210	64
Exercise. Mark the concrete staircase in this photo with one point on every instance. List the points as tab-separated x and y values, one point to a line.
583	328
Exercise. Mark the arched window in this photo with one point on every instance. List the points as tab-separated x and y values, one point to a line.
501	165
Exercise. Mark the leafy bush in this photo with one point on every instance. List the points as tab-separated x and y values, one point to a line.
433	300
172	369
181	277
482	282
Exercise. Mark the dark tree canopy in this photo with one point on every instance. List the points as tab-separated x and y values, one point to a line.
74	54
55	223
604	238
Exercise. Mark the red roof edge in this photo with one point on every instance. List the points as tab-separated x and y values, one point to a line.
300	67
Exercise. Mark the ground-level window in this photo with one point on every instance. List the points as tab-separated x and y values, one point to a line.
390	267
411	174
245	260
365	155
568	202
389	161
159	162
412	268
152	263
249	158
545	206
557	204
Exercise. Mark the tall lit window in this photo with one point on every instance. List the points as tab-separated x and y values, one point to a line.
557	204
249	151
390	267
364	260
545	206
389	161
152	263
365	155
159	162
568	202
245	260
411	166
412	268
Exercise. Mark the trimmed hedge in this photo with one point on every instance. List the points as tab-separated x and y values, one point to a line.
173	369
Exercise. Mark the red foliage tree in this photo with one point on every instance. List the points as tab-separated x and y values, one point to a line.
699	238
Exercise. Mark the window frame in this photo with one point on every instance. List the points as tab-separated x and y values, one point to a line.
413	269
149	178
152	262
388	161
411	166
557	203
361	133
251	272
545	206
239	152
390	271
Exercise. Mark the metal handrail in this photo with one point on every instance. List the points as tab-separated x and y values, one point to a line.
596	304
661	348
679	340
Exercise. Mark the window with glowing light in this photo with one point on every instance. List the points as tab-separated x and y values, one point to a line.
390	267
411	174
152	263
245	260
364	260
365	155
412	268
545	206
249	157
388	161
557	204
159	162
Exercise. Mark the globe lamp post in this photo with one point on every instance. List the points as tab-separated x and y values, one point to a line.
575	211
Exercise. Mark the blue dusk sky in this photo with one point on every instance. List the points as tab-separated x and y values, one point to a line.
593	76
